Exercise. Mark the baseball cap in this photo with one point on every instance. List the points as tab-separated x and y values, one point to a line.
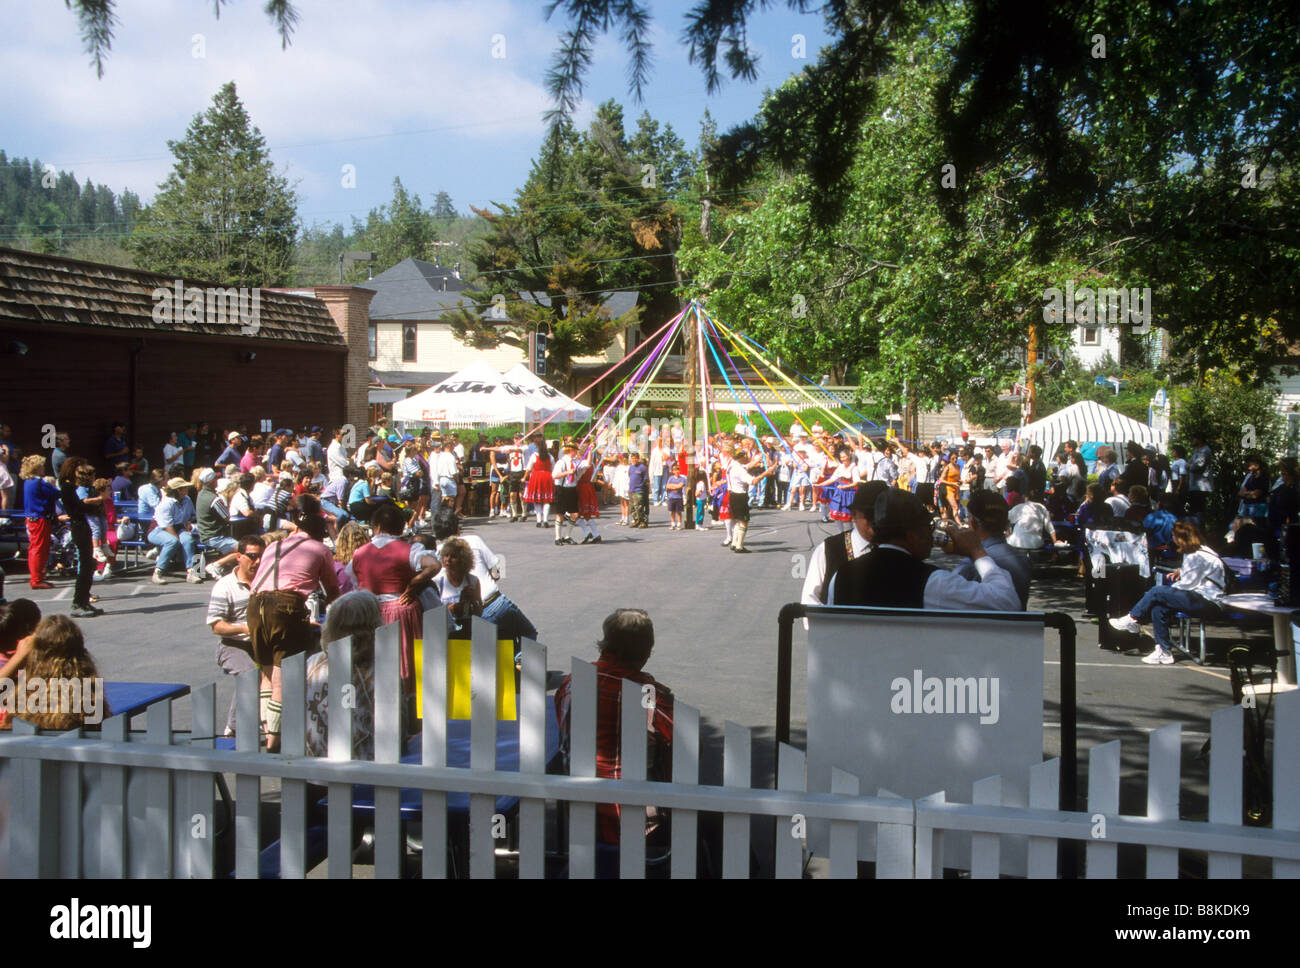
176	483
394	439
316	429
207	475
233	435
407	438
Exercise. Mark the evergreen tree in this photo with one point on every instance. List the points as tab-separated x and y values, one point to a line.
223	214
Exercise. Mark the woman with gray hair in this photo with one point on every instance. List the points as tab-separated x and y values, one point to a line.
354	615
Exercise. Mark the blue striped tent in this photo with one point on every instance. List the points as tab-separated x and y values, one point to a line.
1088	421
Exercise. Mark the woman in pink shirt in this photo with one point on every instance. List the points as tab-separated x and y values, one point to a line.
278	623
383	567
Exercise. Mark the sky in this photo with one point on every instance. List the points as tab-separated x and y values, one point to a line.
448	95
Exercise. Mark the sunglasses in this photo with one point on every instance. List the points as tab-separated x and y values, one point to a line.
251	557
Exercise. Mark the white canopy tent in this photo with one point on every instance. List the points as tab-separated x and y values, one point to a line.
1088	421
475	395
543	401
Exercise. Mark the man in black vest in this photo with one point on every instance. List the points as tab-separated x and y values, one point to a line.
839	549
895	573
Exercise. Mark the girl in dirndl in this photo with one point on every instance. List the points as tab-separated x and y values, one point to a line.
841	485
540	489
588	505
721	503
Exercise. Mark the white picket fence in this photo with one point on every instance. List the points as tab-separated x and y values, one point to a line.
120	804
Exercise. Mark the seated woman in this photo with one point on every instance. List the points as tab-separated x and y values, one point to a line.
355	614
1197	590
627	639
54	651
362	499
456	586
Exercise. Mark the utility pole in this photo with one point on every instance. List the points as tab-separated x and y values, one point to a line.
1030	407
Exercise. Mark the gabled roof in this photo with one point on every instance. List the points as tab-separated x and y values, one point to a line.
47	289
414	289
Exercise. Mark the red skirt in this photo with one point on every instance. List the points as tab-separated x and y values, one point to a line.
411	618
541	487
588	506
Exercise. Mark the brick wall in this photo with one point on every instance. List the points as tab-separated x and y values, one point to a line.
350	308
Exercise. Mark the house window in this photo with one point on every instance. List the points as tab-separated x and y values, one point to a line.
373	336
1091	336
408	344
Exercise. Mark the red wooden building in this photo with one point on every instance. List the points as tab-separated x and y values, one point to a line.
84	345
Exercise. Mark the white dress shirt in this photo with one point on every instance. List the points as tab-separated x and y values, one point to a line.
816	577
994	592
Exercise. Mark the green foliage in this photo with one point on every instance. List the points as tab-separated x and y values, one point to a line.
223	214
1239	420
600	212
50	212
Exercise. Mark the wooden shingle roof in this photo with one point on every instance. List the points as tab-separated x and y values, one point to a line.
46	289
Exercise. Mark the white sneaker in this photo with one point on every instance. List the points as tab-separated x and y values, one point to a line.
1125	623
1159	656
99	555
96	576
194	578
158	579
152	555
213	571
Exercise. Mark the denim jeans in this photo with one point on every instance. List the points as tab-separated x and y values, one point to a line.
511	623
329	507
221	546
170	546
1162	602
658	484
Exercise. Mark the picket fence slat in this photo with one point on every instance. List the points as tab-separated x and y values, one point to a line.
202	834
158	808
70	794
248	789
483	820
338	744
1044	794
632	762
894	845
985	849
1226	739
1286	774
686	769
1100	856
844	833
112	826
433	803
389	847
532	759
929	844
293	793
736	757
582	763
791	766
1164	771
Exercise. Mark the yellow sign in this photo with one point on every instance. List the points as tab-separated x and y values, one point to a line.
458	692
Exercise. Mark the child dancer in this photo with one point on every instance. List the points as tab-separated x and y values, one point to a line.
540	489
588	504
675	489
620	488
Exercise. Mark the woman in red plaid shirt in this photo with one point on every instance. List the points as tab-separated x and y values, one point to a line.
627	638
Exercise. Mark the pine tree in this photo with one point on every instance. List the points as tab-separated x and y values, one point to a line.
223	214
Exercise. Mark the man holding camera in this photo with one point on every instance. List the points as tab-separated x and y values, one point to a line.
895	573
